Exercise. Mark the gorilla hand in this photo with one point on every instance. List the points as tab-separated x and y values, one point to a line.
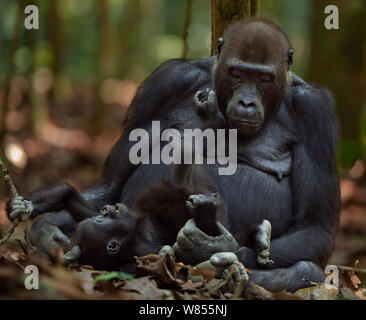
194	246
47	237
72	256
19	208
231	270
167	250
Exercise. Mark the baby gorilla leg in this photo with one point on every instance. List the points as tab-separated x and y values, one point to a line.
203	208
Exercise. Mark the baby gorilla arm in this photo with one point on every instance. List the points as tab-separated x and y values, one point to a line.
62	197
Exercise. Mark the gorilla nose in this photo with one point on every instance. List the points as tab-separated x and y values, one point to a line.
246	109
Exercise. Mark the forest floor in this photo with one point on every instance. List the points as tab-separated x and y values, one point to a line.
162	278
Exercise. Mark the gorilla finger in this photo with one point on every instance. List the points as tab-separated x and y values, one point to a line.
223	258
211	97
242	269
226	274
166	250
16	214
17	199
240	286
72	255
230	285
18	206
17	203
238	276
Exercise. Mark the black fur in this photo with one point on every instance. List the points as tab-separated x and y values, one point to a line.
296	188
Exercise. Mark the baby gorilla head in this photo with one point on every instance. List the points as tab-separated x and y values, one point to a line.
106	241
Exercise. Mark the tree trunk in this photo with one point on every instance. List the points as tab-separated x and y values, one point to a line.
225	12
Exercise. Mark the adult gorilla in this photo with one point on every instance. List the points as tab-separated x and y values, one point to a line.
286	155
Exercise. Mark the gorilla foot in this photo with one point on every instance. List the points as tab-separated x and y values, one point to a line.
300	275
205	102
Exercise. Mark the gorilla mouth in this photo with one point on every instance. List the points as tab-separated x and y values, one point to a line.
246	123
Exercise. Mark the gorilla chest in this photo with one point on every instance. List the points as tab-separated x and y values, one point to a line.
261	188
253	195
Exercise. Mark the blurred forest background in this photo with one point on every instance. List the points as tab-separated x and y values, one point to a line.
64	88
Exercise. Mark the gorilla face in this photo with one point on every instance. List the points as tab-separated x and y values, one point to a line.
106	240
252	74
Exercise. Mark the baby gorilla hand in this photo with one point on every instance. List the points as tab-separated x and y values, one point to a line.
194	246
71	257
47	237
20	208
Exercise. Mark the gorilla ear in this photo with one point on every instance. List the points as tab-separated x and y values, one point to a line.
220	43
290	57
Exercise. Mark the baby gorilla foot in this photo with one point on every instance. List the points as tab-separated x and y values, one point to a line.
205	102
198	202
113	211
263	243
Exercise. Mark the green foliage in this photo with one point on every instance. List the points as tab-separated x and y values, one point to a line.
82	43
113	275
348	153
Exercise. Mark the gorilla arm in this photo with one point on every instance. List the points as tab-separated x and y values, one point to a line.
151	101
314	181
314	187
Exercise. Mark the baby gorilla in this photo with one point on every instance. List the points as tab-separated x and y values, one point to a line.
110	239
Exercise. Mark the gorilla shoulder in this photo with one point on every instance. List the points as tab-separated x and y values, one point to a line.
180	74
314	113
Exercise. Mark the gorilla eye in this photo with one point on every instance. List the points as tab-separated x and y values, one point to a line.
113	246
266	77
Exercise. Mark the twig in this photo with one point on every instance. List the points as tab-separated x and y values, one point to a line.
352	269
14	192
5	172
